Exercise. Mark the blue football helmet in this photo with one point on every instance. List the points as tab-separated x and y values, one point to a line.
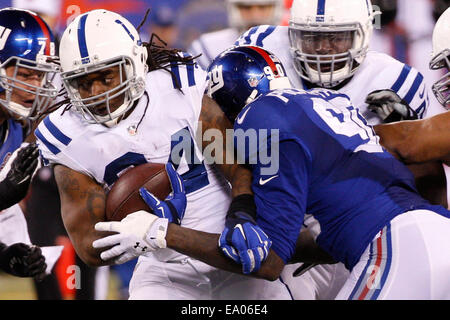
241	74
27	68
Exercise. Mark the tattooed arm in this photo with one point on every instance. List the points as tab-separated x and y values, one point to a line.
203	247
82	206
212	118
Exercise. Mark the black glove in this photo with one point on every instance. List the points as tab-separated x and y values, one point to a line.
22	260
389	106
15	186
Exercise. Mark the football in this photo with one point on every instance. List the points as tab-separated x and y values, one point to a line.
124	197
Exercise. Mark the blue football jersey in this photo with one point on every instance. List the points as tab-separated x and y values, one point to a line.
312	152
13	140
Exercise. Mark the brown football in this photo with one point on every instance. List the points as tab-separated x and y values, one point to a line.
124	197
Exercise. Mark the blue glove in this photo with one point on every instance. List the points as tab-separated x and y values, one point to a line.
245	242
174	206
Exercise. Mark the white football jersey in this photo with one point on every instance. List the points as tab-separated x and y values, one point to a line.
211	44
161	128
378	71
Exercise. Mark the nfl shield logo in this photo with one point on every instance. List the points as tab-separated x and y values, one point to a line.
253	82
132	130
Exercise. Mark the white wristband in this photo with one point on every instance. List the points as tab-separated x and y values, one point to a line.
156	235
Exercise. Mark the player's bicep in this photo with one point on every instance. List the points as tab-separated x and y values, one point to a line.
82	206
78	189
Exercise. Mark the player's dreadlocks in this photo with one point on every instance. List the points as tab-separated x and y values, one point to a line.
161	57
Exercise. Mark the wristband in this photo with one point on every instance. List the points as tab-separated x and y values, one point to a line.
156	235
243	203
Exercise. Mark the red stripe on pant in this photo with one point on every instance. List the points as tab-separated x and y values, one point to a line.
376	268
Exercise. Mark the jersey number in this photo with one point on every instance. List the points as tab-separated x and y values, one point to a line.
349	122
183	147
346	121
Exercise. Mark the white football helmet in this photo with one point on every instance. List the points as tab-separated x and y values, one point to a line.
235	18
94	42
441	58
330	38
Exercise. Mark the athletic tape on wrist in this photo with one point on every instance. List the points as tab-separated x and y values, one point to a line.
243	203
157	233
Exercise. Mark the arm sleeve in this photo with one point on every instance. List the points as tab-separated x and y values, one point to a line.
8	197
281	198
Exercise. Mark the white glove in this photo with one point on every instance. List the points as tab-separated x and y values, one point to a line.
138	233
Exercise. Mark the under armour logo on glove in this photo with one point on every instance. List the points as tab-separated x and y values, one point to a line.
138	233
142	248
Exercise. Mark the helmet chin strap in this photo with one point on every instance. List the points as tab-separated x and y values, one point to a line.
19	109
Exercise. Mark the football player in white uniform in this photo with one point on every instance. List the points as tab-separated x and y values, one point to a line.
133	103
242	15
428	139
327	45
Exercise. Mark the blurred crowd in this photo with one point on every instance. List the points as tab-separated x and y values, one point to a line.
405	33
406	25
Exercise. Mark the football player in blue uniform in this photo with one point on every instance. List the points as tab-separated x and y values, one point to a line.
26	89
332	166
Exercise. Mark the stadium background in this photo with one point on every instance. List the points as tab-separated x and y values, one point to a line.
407	38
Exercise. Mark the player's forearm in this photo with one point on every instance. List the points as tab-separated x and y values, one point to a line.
203	247
418	141
83	234
242	181
82	238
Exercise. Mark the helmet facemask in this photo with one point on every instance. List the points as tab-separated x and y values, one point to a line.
42	95
109	106
327	54
441	88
